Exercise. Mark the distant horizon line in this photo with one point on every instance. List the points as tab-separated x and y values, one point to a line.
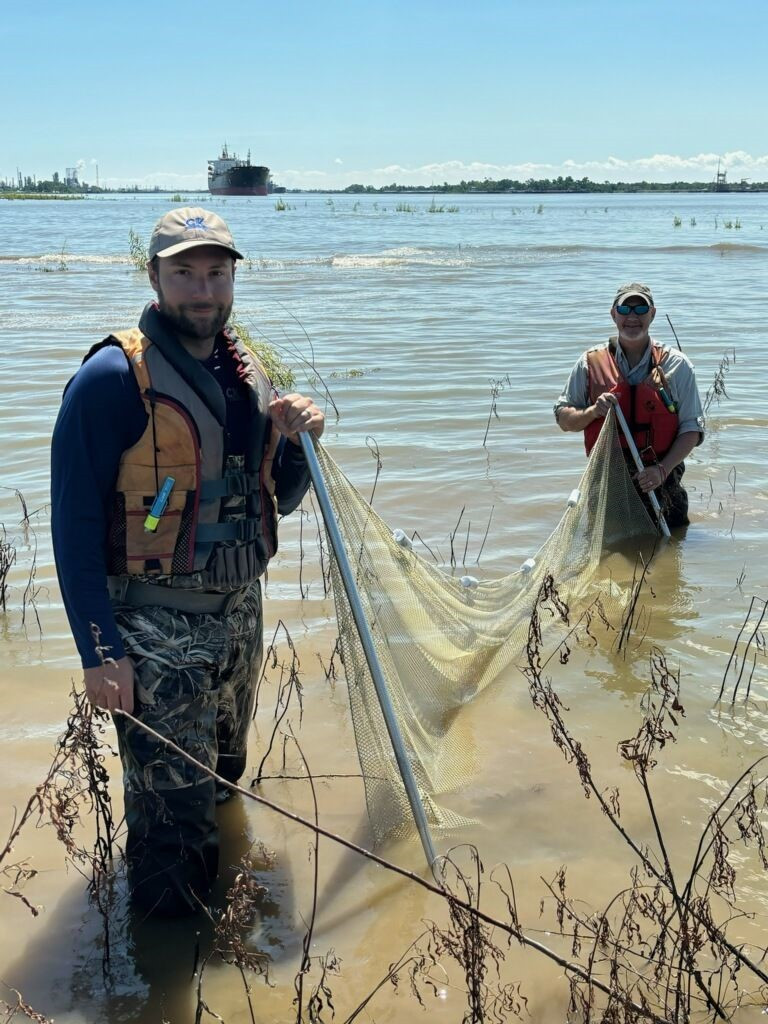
564	185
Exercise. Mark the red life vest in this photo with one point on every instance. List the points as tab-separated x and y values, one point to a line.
653	426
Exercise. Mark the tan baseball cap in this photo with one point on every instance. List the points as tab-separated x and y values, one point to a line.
626	291
187	227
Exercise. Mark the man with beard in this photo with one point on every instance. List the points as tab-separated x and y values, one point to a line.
172	457
655	387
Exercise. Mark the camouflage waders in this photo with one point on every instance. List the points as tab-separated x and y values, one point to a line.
195	683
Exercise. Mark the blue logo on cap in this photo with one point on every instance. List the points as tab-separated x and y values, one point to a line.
195	223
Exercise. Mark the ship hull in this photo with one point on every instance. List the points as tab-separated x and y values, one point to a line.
238	190
240	181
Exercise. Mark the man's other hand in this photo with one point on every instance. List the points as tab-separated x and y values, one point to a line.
293	414
110	686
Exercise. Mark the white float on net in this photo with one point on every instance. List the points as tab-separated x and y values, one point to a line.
401	537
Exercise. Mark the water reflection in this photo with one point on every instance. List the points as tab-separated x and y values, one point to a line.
661	612
145	970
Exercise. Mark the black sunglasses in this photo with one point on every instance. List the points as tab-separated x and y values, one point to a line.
641	309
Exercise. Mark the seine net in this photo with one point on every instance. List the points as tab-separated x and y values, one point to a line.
440	642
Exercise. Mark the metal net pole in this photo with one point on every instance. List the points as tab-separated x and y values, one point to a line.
366	640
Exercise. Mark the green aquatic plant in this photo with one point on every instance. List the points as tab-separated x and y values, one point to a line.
678	221
62	263
737	224
176	198
347	374
34	195
434	208
137	250
540	208
280	206
404	208
693	222
281	375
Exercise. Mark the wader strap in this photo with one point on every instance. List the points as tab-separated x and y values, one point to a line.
139	594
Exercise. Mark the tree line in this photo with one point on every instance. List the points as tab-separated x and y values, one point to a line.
560	184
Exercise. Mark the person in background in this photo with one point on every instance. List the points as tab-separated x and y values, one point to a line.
655	387
172	458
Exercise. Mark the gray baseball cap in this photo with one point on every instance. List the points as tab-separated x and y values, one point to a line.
187	227
626	291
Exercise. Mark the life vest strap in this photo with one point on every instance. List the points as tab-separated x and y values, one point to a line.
233	485
237	529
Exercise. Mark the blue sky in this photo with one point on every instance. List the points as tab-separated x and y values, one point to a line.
328	93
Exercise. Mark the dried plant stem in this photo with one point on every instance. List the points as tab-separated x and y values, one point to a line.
306	960
485	535
285	689
674	332
661	706
569	966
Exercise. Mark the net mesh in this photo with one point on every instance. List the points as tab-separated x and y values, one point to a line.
441	642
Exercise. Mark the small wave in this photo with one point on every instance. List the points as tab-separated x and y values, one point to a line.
273	263
553	249
719	247
404	256
64	257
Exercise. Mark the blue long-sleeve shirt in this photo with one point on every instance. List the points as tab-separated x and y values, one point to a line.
102	414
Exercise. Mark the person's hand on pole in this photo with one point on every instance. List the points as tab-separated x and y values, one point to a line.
294	414
110	686
604	404
650	478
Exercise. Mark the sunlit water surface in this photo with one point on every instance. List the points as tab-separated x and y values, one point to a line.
412	318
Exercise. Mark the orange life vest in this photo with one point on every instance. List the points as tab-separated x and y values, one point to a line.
654	427
185	439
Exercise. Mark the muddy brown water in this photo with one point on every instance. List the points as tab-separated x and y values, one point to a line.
430	309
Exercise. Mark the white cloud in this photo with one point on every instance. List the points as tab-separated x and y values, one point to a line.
338	160
660	167
161	179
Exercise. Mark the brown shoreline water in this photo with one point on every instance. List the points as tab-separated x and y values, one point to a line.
428	323
366	917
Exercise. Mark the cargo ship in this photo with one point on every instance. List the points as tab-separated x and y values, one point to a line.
230	176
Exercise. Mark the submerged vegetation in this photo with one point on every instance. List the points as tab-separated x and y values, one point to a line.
281	375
